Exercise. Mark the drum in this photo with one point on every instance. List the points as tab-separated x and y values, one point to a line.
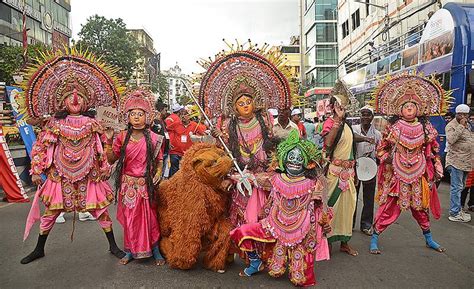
366	168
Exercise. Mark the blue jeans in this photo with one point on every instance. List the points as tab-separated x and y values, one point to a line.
174	160
458	181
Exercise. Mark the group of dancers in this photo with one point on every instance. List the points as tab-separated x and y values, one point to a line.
301	198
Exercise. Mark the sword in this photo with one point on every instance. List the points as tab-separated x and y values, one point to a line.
245	177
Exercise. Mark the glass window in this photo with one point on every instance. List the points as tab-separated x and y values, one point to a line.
5	13
326	76
326	55
311	37
310	58
326	10
326	32
355	19
309	18
345	29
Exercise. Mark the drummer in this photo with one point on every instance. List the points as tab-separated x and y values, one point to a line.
367	137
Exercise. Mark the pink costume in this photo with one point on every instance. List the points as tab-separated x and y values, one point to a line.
407	182
70	153
293	212
135	211
245	209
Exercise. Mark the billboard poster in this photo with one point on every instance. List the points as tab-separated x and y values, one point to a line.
395	62
437	47
355	77
410	56
371	71
383	66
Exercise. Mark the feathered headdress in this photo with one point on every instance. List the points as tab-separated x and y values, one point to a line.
426	92
61	73
260	72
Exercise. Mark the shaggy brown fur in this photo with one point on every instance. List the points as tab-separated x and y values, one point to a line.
192	210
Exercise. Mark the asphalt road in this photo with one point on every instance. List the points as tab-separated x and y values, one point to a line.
86	263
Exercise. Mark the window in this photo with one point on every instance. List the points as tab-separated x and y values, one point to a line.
326	55
309	18
367	8
311	38
326	76
345	29
290	49
310	58
5	13
326	10
355	19
326	32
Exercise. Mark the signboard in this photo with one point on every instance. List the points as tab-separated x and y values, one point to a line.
109	117
26	131
440	23
59	41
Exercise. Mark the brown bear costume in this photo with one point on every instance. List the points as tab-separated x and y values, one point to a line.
192	210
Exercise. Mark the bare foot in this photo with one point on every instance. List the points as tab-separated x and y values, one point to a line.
348	249
125	260
160	262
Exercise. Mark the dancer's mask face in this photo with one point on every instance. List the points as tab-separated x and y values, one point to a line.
74	104
244	106
409	111
294	162
137	118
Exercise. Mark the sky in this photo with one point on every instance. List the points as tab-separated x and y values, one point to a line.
186	30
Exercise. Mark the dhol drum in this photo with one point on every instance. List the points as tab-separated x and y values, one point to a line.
366	168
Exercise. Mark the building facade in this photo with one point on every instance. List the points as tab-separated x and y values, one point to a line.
177	80
319	46
148	64
47	22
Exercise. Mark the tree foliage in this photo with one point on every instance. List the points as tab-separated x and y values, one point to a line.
160	85
11	60
109	39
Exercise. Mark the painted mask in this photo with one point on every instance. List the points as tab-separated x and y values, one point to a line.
294	163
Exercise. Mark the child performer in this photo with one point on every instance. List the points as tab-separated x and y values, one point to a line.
139	152
295	222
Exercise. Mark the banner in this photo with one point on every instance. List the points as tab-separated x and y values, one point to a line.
9	178
26	130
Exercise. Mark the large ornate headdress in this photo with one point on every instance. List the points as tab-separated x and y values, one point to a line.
426	92
343	96
261	73
138	98
59	74
311	153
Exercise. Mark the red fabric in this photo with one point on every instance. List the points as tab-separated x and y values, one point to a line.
310	277
327	125
470	179
302	129
9	178
245	236
180	141
389	212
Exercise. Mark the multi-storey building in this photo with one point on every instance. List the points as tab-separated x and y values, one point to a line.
47	22
148	64
319	43
177	92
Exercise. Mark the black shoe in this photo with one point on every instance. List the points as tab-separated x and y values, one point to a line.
38	252
113	248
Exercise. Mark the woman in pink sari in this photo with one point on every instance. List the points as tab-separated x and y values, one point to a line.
140	156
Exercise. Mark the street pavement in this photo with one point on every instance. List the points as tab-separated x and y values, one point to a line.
405	262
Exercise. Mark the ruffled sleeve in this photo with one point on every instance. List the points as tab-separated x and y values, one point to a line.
43	149
384	148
